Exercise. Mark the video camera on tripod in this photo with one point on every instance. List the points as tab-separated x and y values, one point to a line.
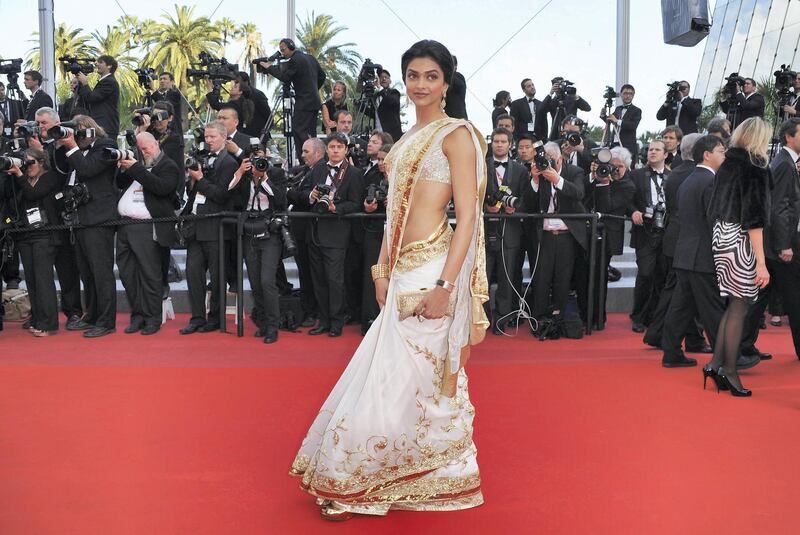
218	70
733	84
75	65
674	94
784	87
11	66
365	103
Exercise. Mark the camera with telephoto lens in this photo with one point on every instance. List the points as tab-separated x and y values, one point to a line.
573	138
602	157
324	199
197	159
75	65
540	159
10	66
357	152
733	82
377	192
657	216
28	129
117	155
502	197
260	163
72	197
7	161
69	128
278	225
215	69
674	93
155	115
145	76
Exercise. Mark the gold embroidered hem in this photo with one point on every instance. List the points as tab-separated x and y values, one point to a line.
418	253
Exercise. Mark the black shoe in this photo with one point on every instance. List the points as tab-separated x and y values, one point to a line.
75	323
261	332
736	392
97	332
708	371
319	330
335	332
165	292
308	322
134	327
638	327
679	363
209	327
705	348
745	362
191	328
756	353
150	329
271	337
613	274
776	322
763	324
27	325
365	327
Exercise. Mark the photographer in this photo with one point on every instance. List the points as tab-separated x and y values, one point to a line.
577	150
387	100
525	112
376	196
506	184
625	119
791	109
66	262
356	146
12	110
501	102
36	187
648	212
680	109
336	188
562	101
39	99
261	110
239	100
306	76
149	191
529	241
456	96
556	187
237	144
313	154
167	92
264	192
94	191
610	192
158	123
720	127
71	102
743	100
208	194
103	99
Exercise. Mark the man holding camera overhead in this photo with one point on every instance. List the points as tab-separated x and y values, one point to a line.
91	195
744	100
561	102
103	99
336	188
306	76
680	109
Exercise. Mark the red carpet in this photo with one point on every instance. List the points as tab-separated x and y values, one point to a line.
194	435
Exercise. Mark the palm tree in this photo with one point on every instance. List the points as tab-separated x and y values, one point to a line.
339	61
227	27
249	35
68	42
180	39
115	43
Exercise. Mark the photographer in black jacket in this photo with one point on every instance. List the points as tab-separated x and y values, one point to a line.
261	109
159	124
680	109
148	191
263	195
167	92
35	190
93	172
103	99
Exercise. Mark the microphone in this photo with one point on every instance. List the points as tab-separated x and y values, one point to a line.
273	57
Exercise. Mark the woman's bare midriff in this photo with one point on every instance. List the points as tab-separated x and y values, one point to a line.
427	210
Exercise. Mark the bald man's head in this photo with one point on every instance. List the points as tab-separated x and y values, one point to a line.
148	146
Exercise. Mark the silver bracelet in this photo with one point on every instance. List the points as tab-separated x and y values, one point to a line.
449	286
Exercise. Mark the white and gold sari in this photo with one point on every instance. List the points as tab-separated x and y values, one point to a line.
396	431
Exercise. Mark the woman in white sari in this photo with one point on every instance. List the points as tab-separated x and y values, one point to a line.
396	431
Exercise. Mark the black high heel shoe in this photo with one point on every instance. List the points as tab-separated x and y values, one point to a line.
739	393
709	371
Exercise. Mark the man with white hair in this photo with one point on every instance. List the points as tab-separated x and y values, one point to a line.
149	192
559	188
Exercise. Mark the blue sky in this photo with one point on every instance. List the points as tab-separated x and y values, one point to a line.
572	38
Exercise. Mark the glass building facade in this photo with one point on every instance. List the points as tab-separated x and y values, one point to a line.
751	37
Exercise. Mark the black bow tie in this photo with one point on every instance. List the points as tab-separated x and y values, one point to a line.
626	106
531	99
501	164
333	167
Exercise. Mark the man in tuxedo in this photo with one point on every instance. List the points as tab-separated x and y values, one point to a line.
746	103
580	154
103	99
672	137
557	189
149	191
313	153
94	246
648	214
306	76
696	290
208	194
168	92
559	105
39	99
504	236
695	343
529	239
330	237
625	120
791	110
388	104
683	112
525	112
237	142
456	98
12	110
781	238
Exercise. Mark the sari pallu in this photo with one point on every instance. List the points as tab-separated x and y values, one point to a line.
396	431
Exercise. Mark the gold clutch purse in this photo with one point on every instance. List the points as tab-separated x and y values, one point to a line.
407	302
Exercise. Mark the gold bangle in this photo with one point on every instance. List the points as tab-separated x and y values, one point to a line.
380	271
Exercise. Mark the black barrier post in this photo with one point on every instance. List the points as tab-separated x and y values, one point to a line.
592	273
222	283
601	315
240	280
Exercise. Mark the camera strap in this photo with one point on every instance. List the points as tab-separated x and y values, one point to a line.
659	189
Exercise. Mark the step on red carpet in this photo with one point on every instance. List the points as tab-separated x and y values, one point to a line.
173	434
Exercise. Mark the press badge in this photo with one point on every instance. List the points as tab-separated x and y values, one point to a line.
530	127
34	216
138	195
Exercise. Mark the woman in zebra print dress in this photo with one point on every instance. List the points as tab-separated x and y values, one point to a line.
739	207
